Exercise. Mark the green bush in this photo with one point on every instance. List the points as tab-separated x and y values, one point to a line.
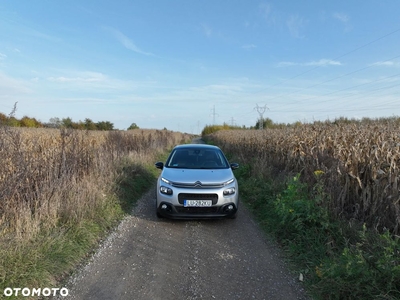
338	260
214	128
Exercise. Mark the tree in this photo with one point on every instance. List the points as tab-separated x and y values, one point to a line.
104	125
54	123
267	123
78	125
29	122
67	123
89	124
133	126
13	122
3	119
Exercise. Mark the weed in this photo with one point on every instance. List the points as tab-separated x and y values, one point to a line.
338	261
63	190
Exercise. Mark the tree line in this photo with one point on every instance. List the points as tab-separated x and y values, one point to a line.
26	121
86	124
268	123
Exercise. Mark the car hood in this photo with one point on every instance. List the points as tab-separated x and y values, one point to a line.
190	176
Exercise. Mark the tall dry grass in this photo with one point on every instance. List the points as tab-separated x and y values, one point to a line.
49	177
359	162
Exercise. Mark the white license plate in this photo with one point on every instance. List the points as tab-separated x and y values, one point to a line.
197	203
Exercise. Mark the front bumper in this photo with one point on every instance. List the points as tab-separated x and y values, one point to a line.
172	206
168	210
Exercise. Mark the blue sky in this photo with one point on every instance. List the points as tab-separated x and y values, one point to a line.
182	64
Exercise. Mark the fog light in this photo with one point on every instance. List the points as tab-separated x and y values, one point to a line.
164	206
229	208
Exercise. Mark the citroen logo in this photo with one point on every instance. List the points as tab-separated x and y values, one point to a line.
197	184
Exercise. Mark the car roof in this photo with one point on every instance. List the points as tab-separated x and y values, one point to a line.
197	146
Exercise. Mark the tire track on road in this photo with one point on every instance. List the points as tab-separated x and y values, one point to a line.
149	258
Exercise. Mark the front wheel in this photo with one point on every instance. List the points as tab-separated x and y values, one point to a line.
157	213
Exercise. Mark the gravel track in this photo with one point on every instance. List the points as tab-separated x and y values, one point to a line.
150	258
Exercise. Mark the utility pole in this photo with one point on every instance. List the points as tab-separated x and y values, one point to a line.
232	121
261	111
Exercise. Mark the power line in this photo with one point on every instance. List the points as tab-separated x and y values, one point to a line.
340	56
348	88
354	86
323	82
332	79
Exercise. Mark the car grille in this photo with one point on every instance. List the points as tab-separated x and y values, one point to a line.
197	210
197	186
187	196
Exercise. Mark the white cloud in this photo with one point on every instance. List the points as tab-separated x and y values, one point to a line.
126	42
387	64
341	17
12	86
319	63
2	56
85	77
344	19
226	88
324	62
249	46
94	82
270	15
296	24
265	9
211	32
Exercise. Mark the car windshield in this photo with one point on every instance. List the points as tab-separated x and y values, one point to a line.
196	158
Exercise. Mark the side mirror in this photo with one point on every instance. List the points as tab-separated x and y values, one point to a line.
234	166
159	165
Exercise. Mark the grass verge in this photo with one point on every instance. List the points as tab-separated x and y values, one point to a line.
43	262
336	259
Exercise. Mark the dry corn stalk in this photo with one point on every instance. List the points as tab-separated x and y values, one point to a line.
42	171
360	162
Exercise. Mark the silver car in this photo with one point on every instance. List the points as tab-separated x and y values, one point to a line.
197	182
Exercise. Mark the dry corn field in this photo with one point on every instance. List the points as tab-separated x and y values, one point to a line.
48	175
359	162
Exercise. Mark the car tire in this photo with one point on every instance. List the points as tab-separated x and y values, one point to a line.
157	213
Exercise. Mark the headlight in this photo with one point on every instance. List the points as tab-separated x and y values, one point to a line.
229	191
165	190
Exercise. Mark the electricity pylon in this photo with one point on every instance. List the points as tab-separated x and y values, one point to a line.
261	111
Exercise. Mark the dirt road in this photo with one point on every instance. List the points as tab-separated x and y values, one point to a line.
148	258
